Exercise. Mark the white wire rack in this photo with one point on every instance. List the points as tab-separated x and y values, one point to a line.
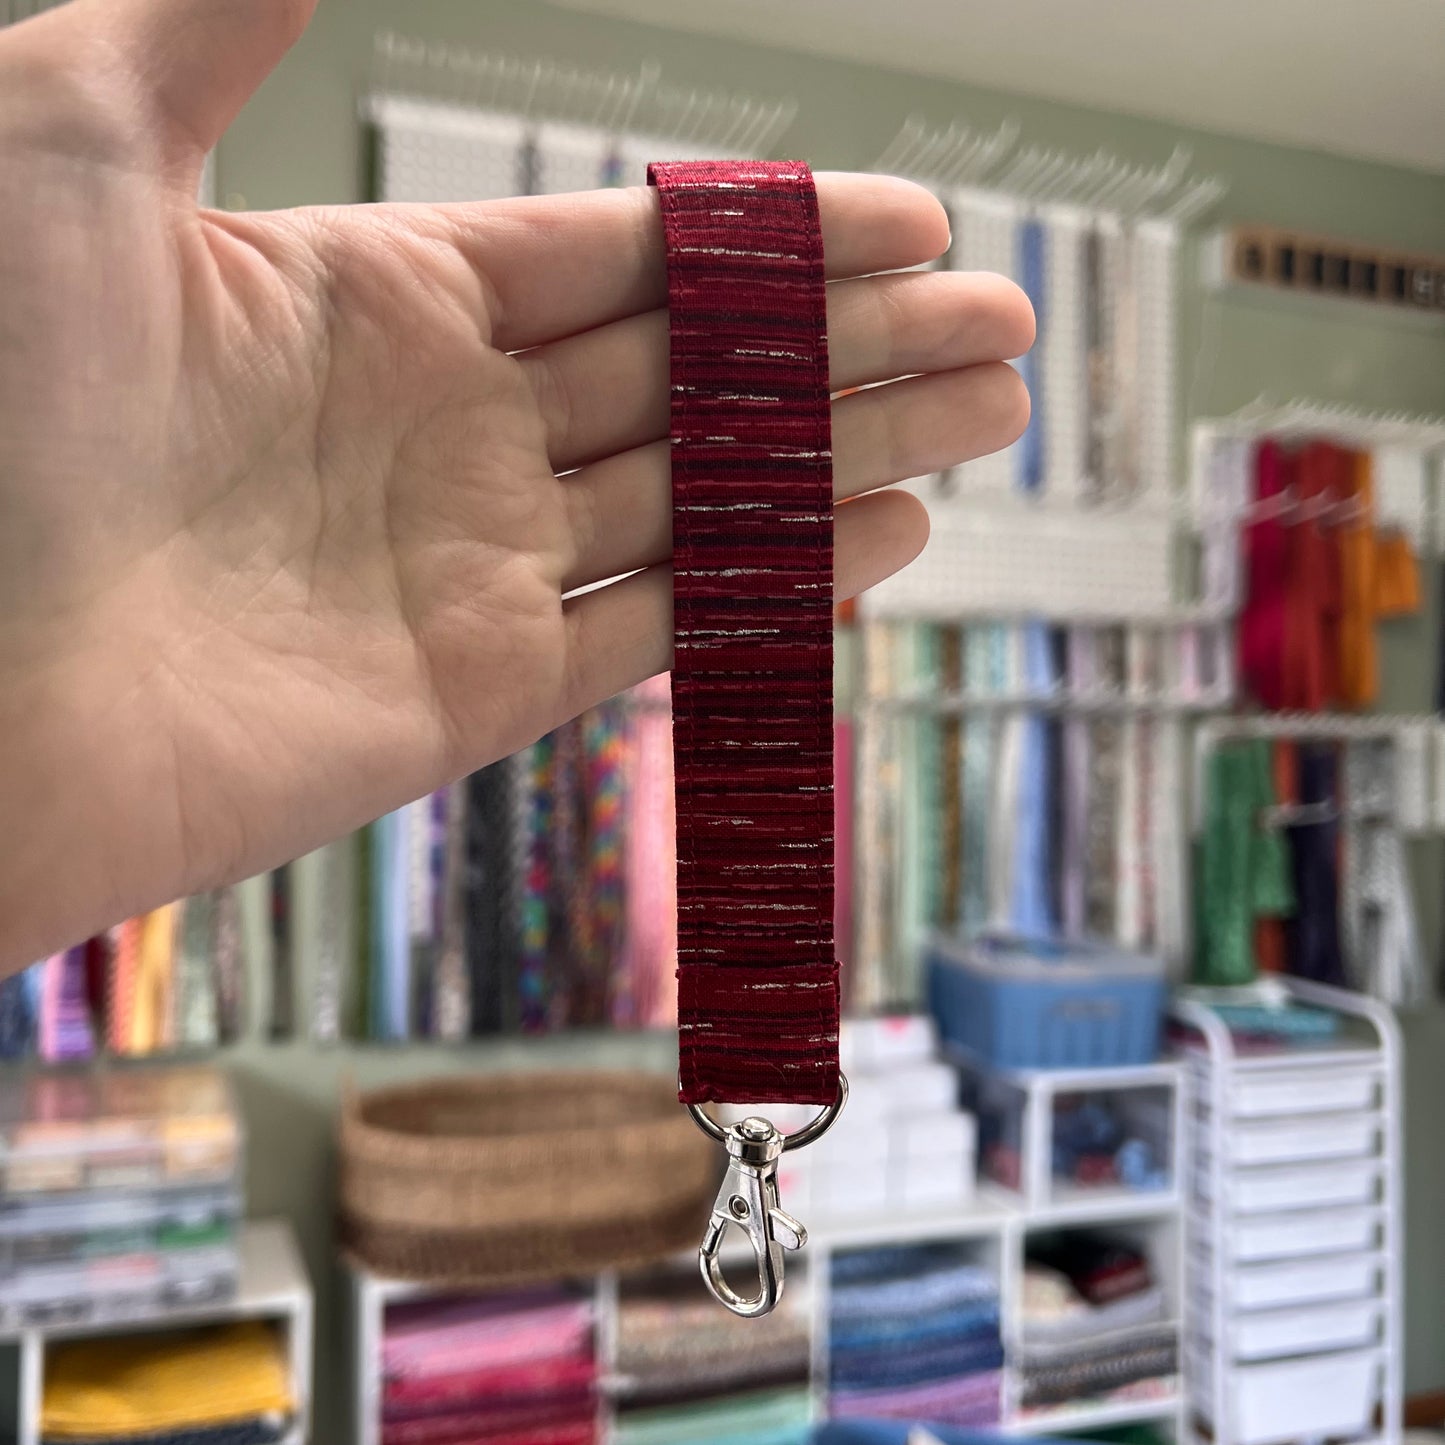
545	89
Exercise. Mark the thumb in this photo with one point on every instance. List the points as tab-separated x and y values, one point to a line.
201	60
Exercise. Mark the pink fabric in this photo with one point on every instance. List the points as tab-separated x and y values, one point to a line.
649	994
570	1377
972	1400
452	1339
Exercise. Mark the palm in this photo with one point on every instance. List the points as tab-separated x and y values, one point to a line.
285	542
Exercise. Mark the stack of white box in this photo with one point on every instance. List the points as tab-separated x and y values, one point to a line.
902	1145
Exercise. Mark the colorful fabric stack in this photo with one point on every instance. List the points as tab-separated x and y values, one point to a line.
914	1335
120	1194
515	1369
1096	1325
225	1385
689	1371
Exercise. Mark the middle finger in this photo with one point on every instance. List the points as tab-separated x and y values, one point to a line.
606	391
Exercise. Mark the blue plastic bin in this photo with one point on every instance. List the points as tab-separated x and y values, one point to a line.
1031	1003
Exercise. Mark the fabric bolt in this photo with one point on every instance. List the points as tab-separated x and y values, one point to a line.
648	994
66	1034
146	1383
451	1004
1101	843
843	788
1358	660
150	1014
534	973
598	927
19	1012
1007	782
877	822
195	1002
1313	587
567	899
950	768
230	966
1265	546
982	675
758	988
491	939
1032	273
1315	950
1031	903
1242	872
1378	922
283	964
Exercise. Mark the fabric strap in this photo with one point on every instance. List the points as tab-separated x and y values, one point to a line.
752	483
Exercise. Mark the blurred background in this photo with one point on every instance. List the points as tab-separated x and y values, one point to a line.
1151	740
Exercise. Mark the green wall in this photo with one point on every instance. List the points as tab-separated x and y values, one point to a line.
299	143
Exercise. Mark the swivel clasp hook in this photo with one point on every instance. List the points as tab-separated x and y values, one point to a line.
748	1200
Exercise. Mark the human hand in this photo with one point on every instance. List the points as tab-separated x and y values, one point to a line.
282	543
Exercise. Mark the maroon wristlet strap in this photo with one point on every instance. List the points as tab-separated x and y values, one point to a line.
752	486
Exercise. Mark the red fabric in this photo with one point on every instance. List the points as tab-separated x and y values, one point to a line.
752	484
435	1394
1266	556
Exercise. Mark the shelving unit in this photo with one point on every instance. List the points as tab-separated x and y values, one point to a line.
1294	1231
273	1286
993	1224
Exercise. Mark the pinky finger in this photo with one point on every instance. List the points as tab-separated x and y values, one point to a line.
620	634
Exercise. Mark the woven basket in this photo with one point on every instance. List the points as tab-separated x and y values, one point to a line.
507	1178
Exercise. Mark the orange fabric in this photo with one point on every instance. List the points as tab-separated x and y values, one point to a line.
1359	660
1397	576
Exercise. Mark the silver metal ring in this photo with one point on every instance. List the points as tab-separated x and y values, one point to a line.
813	1129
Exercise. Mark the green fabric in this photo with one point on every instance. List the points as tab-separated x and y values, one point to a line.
770	1417
1243	864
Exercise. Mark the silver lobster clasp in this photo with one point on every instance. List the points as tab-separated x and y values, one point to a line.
748	1200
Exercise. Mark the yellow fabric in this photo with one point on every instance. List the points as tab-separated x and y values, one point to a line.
144	1384
150	1022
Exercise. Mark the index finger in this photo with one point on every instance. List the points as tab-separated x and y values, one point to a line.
556	265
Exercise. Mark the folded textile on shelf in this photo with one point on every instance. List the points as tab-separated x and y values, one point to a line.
779	1417
416	1396
1058	1375
264	1430
507	1369
1054	1312
448	1337
148	1384
914	1333
971	1400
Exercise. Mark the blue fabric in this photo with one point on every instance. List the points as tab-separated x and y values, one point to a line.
895	1432
1031	264
869	1332
871	1370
